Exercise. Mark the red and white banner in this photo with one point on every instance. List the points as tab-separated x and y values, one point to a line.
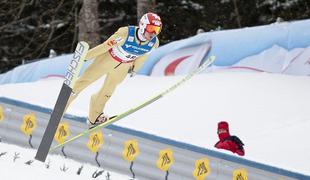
181	61
275	59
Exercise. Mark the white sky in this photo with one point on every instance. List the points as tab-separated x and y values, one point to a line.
268	112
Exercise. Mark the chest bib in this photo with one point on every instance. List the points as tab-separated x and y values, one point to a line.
131	50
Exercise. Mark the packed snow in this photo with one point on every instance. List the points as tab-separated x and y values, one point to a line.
268	112
18	163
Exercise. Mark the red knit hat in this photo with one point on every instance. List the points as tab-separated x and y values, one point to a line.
223	125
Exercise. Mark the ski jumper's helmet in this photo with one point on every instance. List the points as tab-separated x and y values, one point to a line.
151	23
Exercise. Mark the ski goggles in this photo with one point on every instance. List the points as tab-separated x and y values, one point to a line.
153	29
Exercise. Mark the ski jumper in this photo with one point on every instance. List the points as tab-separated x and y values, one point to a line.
113	58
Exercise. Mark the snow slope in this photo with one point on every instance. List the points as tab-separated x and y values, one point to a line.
269	112
49	170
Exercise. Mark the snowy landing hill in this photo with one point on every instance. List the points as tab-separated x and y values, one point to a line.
19	164
269	112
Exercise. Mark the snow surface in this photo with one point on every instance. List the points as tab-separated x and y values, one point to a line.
269	112
38	170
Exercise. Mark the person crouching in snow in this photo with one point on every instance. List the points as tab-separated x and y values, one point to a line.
126	50
228	142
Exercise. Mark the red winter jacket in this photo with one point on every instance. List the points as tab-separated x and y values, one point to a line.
228	142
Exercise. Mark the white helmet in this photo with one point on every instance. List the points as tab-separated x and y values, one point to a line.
150	22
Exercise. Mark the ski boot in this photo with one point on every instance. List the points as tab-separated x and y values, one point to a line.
102	118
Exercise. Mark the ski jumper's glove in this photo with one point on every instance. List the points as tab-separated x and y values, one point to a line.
137	64
131	71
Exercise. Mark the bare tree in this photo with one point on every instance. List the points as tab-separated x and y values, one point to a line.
144	6
88	23
238	17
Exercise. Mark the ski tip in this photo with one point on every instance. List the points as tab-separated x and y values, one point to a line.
84	43
212	58
40	158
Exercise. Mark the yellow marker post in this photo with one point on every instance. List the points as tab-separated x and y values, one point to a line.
29	124
1	114
95	141
202	169
165	159
62	132
131	150
240	174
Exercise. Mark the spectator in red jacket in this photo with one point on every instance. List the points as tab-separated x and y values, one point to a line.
228	142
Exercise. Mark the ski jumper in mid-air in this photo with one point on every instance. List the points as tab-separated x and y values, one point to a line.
126	50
